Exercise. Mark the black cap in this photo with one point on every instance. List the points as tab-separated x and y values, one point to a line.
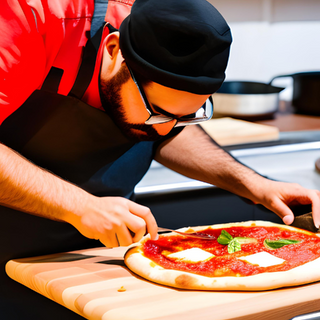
181	44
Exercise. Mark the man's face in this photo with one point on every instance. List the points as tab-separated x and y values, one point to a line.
121	99
112	102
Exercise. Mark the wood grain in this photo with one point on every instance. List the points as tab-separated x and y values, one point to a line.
293	122
88	281
229	131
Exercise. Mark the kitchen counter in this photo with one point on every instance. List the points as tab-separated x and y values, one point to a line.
89	282
296	150
177	201
293	122
291	158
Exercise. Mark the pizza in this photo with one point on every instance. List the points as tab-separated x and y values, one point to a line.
250	256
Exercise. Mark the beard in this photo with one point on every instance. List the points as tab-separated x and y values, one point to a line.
112	104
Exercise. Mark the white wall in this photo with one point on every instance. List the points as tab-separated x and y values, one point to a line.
261	50
272	37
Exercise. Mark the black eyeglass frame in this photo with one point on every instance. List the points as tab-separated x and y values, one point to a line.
203	114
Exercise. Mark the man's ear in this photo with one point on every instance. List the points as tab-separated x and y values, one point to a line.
112	45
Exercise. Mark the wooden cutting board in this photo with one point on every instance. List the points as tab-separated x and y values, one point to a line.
229	131
96	284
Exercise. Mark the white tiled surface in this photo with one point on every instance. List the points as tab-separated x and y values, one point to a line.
294	166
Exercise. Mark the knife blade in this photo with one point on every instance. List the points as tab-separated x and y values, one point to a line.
192	235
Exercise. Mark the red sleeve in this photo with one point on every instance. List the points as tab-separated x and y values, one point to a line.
117	11
22	56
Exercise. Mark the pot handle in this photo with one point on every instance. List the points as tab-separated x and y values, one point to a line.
280	76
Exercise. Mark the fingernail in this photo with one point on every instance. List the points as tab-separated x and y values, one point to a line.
157	237
287	220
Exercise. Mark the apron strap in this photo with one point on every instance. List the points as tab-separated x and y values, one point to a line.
52	81
85	73
87	65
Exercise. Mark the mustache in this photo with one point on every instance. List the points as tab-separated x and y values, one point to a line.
149	133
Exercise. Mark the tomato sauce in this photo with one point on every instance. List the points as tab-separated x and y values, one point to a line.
227	264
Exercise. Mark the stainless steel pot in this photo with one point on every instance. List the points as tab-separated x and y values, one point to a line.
246	100
306	92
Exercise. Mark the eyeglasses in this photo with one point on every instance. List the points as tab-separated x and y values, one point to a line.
203	114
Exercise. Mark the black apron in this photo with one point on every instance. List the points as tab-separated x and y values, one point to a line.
77	142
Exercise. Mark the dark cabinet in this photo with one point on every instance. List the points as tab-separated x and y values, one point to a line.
202	207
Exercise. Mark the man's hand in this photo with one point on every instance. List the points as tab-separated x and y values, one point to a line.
110	220
278	196
193	154
28	188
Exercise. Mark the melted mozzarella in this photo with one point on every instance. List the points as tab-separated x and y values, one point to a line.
263	259
191	255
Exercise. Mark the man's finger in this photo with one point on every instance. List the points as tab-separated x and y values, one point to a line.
146	215
288	219
138	227
283	211
110	240
123	235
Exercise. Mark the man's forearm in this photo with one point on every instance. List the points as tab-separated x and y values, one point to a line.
193	154
28	188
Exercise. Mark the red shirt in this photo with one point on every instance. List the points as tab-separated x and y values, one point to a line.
39	34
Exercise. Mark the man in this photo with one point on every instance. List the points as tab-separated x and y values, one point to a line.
149	79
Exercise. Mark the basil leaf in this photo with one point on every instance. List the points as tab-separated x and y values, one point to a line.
276	244
234	246
224	237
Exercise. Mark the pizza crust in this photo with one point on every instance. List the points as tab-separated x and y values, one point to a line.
146	268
